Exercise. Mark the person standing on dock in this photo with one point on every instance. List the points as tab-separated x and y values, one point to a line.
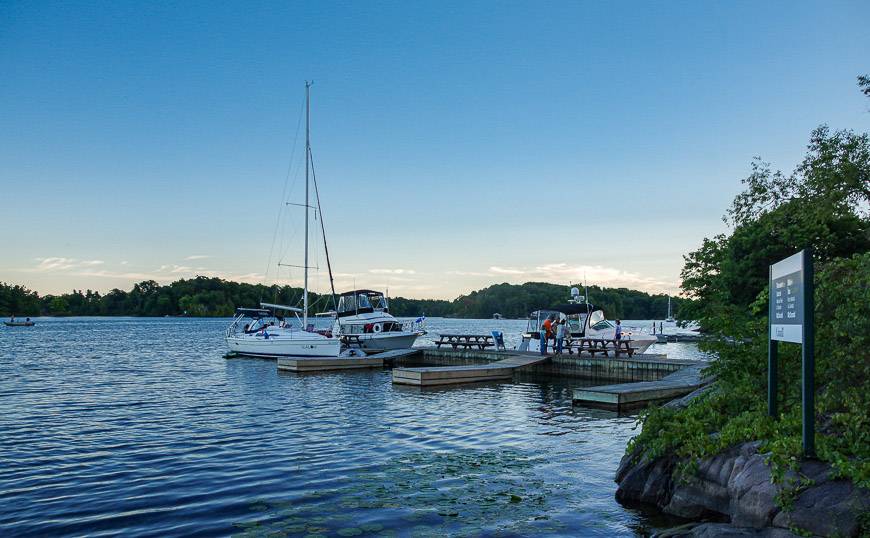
618	334
545	330
561	331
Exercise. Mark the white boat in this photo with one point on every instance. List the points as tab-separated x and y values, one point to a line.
585	321
269	334
364	320
670	318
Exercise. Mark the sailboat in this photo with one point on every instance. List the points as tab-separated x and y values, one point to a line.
670	317
269	333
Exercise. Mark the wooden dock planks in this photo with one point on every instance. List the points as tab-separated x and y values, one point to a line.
624	396
454	375
318	364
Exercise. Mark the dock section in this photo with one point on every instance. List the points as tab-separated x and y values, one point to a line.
624	396
469	373
321	364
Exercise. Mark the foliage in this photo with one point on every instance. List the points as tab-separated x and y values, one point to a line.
823	204
518	300
203	296
200	296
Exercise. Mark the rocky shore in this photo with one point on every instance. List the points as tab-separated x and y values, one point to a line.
732	493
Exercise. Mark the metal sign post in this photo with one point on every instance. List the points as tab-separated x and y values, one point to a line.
791	320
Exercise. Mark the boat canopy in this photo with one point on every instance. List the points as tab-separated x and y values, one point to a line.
255	313
356	302
567	309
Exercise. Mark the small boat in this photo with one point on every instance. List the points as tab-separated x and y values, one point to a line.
270	334
364	319
584	321
27	323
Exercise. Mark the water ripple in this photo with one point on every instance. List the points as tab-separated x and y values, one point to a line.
139	426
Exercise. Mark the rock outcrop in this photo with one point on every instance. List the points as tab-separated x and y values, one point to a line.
735	488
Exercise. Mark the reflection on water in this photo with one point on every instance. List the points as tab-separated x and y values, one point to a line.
139	426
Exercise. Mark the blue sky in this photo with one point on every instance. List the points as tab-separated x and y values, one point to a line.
457	144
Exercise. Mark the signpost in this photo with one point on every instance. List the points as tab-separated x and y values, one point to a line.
791	320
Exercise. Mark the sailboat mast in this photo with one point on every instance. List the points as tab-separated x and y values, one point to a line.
307	155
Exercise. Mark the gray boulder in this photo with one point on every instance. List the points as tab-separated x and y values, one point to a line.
736	486
721	530
830	508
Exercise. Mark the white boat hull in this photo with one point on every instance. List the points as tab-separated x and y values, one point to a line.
378	342
308	345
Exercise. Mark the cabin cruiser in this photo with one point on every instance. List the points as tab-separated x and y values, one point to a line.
270	333
364	319
584	321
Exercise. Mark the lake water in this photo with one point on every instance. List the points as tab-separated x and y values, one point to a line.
131	426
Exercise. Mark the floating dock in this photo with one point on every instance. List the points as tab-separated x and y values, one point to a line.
472	373
624	396
320	364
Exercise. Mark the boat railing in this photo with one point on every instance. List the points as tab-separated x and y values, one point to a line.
231	330
414	325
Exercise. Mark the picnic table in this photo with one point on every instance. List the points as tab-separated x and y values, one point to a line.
600	345
467	341
351	340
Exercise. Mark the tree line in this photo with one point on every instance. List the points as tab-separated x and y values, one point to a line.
215	297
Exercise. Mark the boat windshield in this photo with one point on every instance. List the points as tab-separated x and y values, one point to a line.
597	321
378	302
538	317
352	303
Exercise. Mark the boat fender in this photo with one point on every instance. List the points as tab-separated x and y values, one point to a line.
377	327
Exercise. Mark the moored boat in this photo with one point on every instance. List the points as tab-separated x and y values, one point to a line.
270	334
584	321
364	320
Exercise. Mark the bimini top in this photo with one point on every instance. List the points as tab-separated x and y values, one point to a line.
255	313
360	292
570	308
356	302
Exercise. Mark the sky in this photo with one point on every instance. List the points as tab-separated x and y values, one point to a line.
456	144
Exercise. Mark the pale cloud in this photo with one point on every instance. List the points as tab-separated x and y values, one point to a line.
392	271
468	273
165	273
558	273
197	257
507	271
57	263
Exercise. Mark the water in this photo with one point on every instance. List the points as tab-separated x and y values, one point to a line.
141	427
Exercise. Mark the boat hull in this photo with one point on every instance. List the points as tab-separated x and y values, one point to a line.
379	342
258	346
19	323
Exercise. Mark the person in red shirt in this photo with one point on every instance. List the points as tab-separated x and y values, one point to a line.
546	334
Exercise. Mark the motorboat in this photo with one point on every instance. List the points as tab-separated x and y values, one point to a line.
269	332
364	320
584	321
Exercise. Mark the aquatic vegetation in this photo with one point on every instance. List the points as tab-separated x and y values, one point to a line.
430	493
